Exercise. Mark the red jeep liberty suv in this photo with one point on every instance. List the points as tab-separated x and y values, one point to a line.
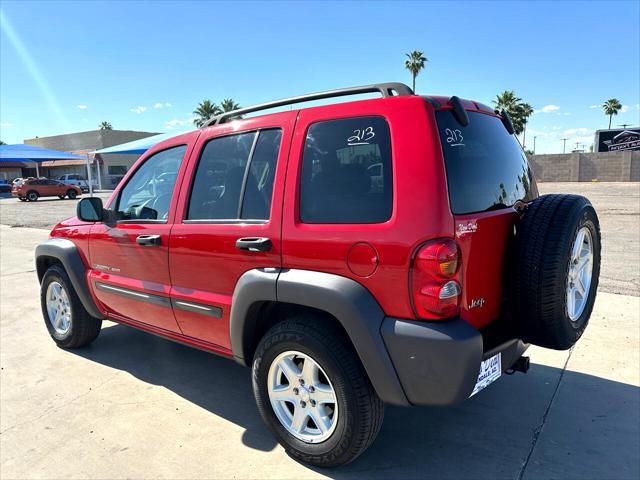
389	250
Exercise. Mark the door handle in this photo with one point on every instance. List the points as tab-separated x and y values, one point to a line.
254	244
148	240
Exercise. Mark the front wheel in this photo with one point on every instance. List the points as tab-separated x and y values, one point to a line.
67	321
32	196
313	393
72	194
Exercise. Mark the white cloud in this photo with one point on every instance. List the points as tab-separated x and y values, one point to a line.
594	106
637	106
624	109
139	109
549	108
171	124
6	125
162	105
577	132
82	106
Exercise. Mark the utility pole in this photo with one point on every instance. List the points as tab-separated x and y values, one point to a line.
534	144
577	143
625	125
564	144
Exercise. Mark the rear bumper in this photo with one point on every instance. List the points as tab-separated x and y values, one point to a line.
438	363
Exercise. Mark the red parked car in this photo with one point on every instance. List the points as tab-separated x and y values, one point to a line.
389	250
33	188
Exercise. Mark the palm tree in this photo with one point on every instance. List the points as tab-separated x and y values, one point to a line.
105	126
414	63
228	105
525	111
517	110
206	109
611	107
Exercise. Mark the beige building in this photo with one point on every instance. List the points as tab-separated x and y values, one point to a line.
108	168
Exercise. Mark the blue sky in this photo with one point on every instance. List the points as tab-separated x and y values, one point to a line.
67	66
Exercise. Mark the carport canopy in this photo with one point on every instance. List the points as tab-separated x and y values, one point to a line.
30	153
137	146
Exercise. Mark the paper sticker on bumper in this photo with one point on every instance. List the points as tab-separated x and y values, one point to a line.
490	371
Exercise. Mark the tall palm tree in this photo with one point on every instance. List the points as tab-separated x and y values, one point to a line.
206	109
414	63
513	105
611	107
525	111
105	126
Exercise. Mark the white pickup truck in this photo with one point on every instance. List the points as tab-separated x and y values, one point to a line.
78	180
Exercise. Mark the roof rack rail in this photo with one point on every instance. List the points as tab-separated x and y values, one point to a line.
386	89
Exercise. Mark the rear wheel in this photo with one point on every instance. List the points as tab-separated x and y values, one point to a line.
557	270
67	321
314	394
32	196
72	194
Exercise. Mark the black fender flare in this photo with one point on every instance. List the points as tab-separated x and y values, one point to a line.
347	300
66	252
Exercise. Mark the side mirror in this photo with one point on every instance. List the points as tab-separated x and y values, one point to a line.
90	209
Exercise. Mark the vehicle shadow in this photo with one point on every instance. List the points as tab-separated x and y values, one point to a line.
592	431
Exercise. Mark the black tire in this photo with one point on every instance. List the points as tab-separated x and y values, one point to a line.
72	194
84	328
360	409
544	240
32	196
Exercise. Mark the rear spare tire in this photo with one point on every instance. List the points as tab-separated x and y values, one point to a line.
557	266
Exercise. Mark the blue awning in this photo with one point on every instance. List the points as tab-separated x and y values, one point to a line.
30	153
137	146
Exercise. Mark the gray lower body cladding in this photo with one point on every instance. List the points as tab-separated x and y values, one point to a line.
438	362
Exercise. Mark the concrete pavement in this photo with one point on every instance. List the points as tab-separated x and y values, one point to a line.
136	406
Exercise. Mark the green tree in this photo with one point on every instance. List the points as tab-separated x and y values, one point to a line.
228	105
206	109
516	108
105	126
611	107
525	111
2	143
414	63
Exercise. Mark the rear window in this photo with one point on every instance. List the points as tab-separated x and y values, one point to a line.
486	167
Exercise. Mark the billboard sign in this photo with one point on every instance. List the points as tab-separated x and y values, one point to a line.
617	140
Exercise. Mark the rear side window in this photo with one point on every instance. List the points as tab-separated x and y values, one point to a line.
486	167
234	178
346	172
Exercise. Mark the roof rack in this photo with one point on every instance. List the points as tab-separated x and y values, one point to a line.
386	89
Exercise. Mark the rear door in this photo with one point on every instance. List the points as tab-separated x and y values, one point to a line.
487	174
129	257
234	190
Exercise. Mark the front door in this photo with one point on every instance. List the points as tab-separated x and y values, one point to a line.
129	256
233	195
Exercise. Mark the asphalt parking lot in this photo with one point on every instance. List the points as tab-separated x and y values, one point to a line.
136	406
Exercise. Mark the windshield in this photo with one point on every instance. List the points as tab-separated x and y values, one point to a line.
486	167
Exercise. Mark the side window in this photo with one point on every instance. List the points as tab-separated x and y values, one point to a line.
228	184
347	172
147	194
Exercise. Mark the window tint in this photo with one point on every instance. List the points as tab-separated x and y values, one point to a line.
259	186
346	172
486	167
219	185
147	194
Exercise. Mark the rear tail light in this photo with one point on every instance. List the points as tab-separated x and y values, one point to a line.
435	287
